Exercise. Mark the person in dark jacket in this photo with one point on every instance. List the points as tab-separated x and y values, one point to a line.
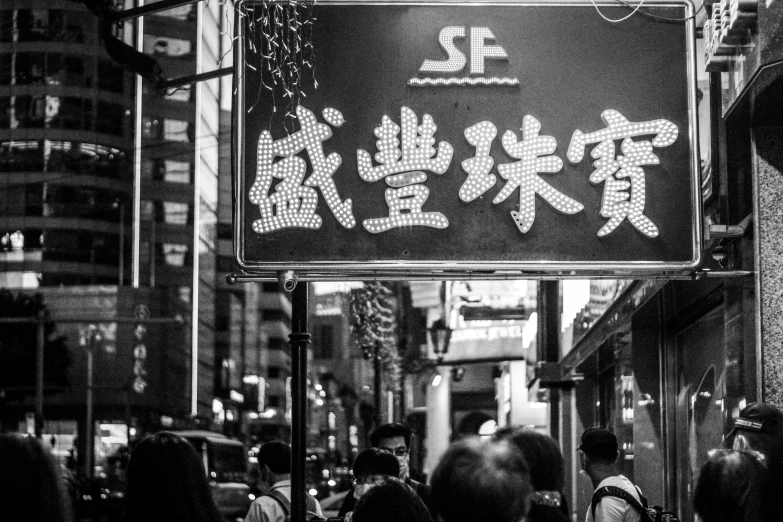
390	500
395	438
369	469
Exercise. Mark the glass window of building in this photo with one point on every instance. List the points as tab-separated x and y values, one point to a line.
171	47
174	254
176	130
175	213
177	171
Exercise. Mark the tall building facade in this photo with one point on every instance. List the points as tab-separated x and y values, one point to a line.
109	204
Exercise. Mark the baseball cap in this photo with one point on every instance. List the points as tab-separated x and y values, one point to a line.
760	417
598	440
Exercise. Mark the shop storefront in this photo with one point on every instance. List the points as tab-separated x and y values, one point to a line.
667	367
668	364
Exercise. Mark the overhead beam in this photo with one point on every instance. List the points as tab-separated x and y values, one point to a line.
136	12
194	78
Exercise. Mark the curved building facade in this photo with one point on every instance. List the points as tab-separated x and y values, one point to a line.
65	149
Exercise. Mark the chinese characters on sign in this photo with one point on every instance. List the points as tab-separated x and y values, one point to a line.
475	140
405	152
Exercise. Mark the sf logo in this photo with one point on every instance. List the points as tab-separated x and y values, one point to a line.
479	51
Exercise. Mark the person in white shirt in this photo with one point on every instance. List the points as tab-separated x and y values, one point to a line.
274	463
598	453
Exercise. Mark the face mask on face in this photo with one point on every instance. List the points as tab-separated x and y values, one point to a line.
403	462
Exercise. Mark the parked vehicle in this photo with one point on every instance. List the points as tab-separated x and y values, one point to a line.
226	464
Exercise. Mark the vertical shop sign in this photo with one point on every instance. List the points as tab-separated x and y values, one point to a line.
140	349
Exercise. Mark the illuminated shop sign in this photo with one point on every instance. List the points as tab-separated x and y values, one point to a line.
472	139
496	339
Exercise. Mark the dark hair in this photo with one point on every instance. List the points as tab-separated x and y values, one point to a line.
31	486
391	500
547	469
167	483
374	461
391	430
481	480
277	455
729	488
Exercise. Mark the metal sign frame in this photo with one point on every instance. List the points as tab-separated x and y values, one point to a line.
320	270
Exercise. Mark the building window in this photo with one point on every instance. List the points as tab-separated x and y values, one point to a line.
175	213
176	130
110	77
110	119
176	171
164	46
174	254
324	342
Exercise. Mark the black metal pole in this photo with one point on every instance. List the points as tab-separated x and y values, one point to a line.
378	385
299	340
39	376
549	341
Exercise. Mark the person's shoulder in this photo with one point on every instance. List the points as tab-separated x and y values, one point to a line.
618	481
418	486
262	504
264	500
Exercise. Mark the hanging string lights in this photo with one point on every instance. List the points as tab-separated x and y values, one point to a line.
279	47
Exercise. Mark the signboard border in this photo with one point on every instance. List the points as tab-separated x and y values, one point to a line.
356	270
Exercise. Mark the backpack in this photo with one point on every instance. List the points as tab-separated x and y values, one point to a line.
310	514
649	513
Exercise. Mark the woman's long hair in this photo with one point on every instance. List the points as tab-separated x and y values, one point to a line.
31	485
167	483
730	487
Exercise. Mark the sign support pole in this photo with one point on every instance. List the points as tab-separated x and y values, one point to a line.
299	339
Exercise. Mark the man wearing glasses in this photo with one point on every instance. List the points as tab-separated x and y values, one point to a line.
395	438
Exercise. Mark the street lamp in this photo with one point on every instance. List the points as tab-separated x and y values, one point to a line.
440	335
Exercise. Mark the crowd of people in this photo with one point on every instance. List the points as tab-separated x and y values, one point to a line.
517	475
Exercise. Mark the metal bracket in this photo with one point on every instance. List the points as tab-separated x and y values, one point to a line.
729	231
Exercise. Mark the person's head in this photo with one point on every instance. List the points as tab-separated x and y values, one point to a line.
598	449
31	486
391	500
547	471
167	483
370	467
481	480
274	461
729	487
394	438
760	428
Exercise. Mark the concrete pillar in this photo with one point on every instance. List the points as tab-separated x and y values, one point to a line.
523	412
767	212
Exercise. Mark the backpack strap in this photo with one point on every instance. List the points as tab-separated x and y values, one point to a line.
281	499
311	503
614	491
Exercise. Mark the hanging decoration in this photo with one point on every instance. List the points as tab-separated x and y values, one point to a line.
279	47
374	323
